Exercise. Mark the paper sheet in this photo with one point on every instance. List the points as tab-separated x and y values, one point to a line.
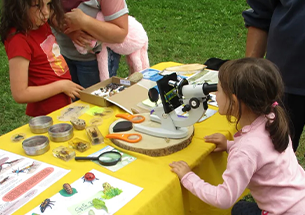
81	202
22	179
205	76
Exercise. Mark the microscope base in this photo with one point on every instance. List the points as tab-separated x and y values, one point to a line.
152	145
161	132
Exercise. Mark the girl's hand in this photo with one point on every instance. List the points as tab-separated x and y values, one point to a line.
80	38
220	141
74	20
180	168
70	88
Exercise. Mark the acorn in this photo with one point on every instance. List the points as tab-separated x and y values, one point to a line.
67	187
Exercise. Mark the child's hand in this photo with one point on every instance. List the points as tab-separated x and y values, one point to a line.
220	141
70	88
180	168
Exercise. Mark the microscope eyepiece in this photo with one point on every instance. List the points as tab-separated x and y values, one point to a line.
207	88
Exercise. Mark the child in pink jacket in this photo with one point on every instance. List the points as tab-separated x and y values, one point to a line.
261	157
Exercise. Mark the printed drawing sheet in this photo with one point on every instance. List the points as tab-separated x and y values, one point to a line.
22	178
104	196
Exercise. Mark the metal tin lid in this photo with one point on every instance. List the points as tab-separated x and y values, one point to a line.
41	122
36	145
60	130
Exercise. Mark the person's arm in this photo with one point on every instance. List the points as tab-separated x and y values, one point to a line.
256	42
257	20
22	93
237	176
113	31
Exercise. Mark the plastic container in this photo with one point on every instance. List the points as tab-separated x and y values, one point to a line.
94	135
79	145
64	153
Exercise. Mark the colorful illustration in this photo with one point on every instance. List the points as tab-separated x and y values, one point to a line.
68	190
5	162
52	51
46	203
26	169
99	204
22	179
104	197
109	191
89	176
4	180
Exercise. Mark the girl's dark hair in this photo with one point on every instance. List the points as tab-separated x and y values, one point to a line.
257	83
15	14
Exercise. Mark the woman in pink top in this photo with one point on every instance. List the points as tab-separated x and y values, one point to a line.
261	157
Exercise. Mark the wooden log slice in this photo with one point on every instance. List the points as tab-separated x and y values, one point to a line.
151	145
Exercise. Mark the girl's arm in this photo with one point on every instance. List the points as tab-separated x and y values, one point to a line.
237	176
22	93
113	31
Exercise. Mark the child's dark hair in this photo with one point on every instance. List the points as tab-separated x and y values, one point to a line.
14	14
257	83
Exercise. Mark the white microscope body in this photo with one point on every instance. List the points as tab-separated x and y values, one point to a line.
194	99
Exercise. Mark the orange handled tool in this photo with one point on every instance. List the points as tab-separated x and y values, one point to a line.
130	138
131	118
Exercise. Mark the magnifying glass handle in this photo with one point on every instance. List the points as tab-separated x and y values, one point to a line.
85	158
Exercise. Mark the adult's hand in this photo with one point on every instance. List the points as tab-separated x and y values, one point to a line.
80	38
74	20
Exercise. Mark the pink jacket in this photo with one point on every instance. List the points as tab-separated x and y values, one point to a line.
276	180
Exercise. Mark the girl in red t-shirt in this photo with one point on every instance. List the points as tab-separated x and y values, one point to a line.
39	75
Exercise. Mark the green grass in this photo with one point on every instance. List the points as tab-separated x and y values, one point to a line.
185	31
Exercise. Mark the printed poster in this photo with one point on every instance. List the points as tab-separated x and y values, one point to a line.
22	179
104	196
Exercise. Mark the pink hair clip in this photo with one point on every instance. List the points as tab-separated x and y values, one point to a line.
275	104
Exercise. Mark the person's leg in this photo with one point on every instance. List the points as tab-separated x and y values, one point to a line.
87	73
113	62
295	105
73	69
246	208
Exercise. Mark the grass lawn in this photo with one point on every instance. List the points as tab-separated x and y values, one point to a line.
185	31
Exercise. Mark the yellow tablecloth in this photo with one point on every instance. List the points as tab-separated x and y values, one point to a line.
162	192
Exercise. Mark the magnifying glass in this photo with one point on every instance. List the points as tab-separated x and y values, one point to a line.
109	158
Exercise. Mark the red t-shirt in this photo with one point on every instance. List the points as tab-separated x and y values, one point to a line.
46	65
